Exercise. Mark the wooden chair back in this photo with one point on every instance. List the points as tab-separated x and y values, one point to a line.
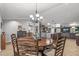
24	49
33	50
60	44
15	44
54	37
29	47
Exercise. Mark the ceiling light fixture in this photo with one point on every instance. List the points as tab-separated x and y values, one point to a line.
37	16
37	20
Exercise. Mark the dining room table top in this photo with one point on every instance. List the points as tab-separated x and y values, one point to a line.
29	40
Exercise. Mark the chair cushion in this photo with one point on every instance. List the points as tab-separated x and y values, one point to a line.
50	53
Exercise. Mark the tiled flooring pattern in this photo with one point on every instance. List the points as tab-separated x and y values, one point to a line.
71	49
7	52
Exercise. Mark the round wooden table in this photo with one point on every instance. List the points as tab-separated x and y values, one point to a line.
41	43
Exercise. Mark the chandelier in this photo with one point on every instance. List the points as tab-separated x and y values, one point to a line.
36	17
37	20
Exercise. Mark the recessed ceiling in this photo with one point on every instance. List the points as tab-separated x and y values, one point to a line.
53	12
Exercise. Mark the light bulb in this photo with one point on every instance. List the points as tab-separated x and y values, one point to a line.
31	16
38	18
37	15
41	17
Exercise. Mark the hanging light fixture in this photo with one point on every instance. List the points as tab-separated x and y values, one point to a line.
32	18
37	22
36	15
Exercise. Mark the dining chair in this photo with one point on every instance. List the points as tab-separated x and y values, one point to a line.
18	50
14	44
60	44
32	48
26	49
54	38
58	49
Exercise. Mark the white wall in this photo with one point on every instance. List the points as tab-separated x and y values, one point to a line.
10	27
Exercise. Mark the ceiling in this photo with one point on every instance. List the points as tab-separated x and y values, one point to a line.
62	13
